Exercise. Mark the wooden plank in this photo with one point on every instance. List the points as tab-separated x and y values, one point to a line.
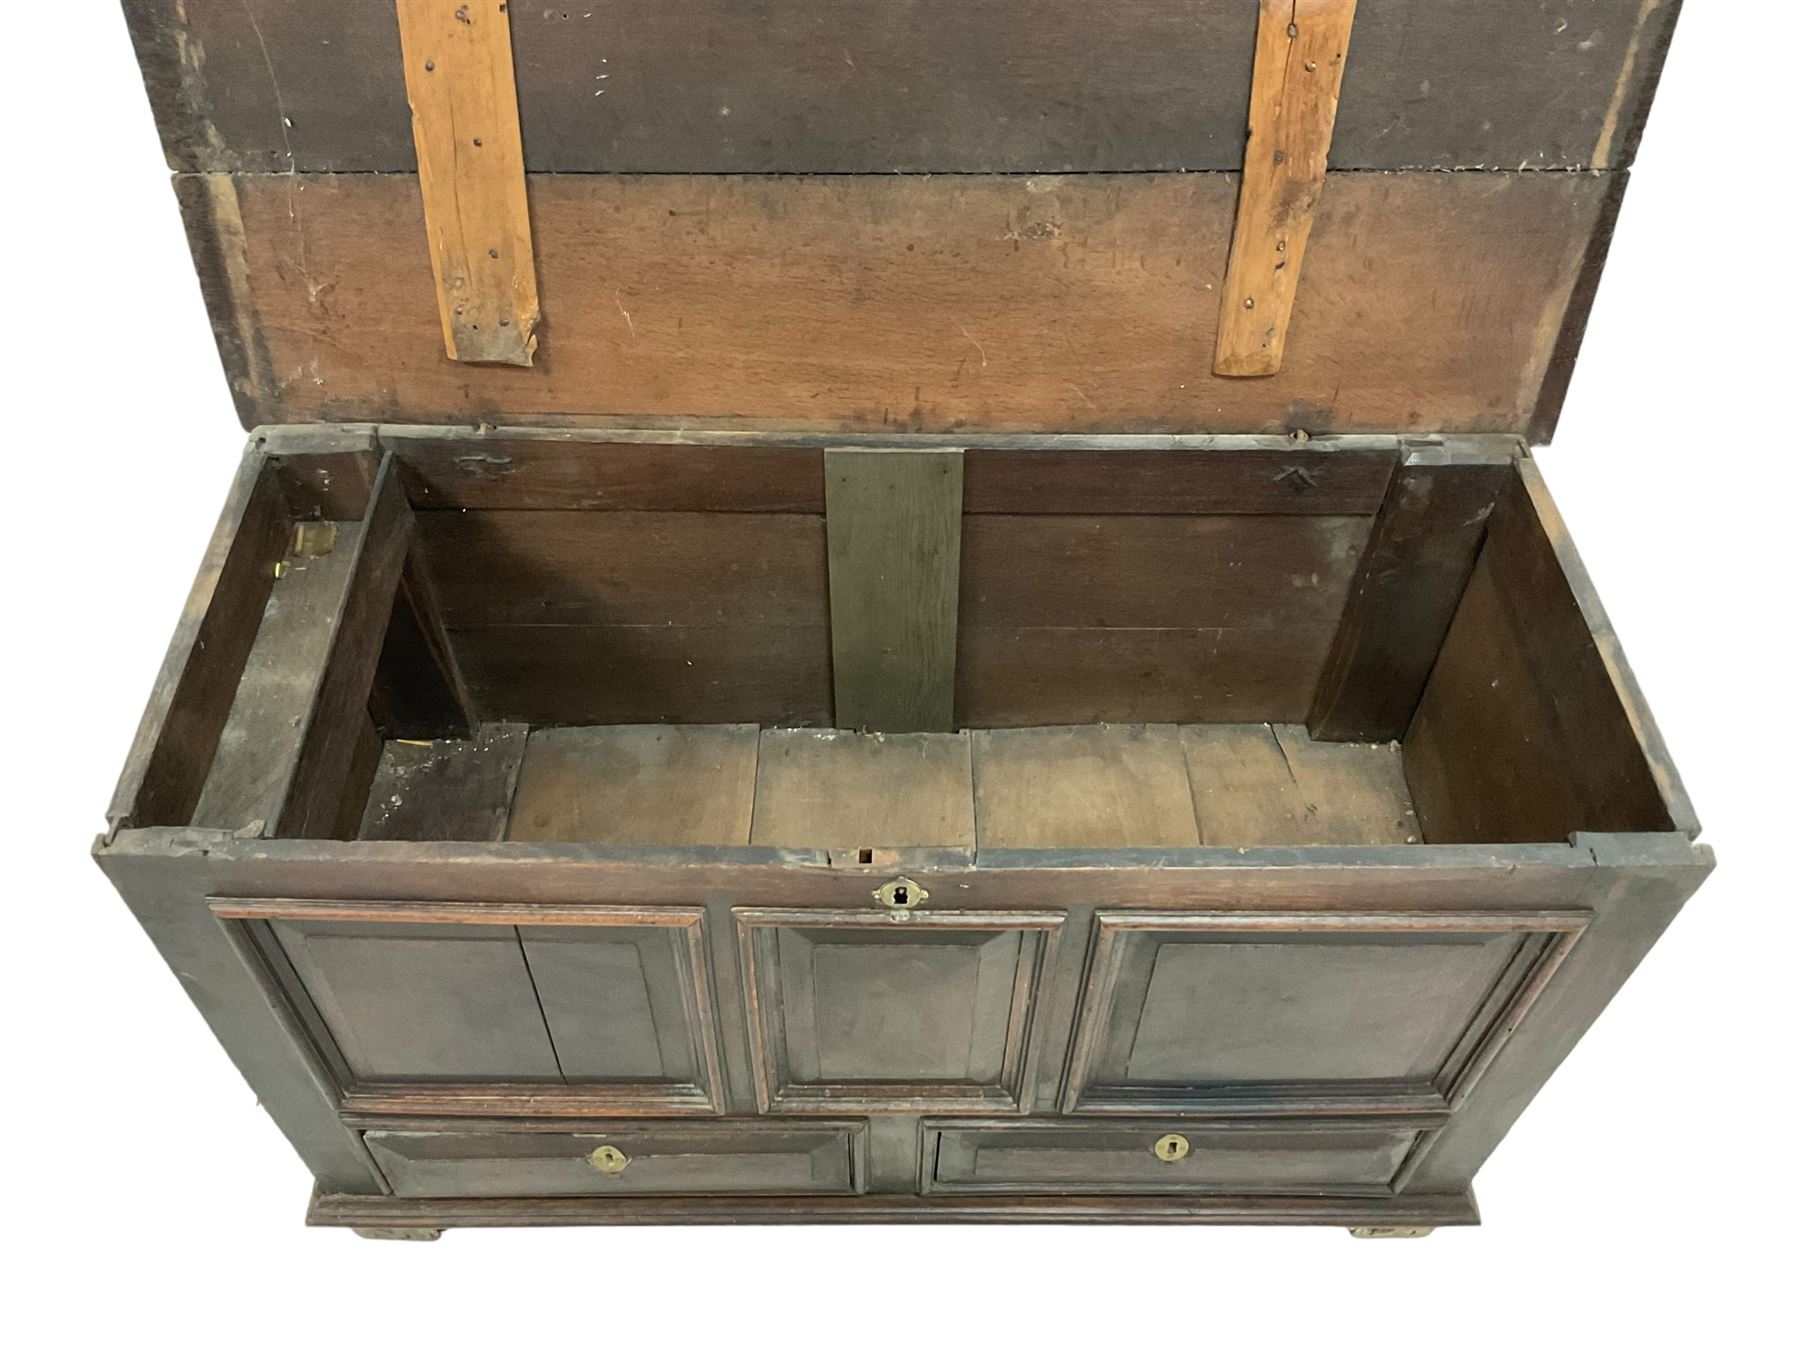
1059	626
1293	480
847	790
1551	533
1413	572
1561	369
555	675
191	701
573	470
253	768
326	471
446	789
697	306
1263	785
328	747
569	473
392	1216
1527	731
1301	49
1082	787
625	568
1389	878
291	737
893	525
465	114
637	785
932	86
1256	572
578	617
359	780
1033	677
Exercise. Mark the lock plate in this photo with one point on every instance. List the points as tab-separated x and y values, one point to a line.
902	893
608	1161
1171	1147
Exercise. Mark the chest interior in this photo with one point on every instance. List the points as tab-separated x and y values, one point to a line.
1226	642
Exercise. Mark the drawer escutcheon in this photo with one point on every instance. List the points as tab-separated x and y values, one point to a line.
1171	1147
608	1160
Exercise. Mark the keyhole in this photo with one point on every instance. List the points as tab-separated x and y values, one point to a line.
900	896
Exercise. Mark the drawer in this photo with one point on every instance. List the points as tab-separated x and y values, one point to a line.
622	1160
1314	1157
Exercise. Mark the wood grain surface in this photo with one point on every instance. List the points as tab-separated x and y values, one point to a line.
898	304
930	86
465	116
1301	50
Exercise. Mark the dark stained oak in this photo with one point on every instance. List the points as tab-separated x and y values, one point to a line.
892	524
661	1159
1529	726
840	86
1407	588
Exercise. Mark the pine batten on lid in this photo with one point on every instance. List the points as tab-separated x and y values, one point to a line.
465	114
1301	47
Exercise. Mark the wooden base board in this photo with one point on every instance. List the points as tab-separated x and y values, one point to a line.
637	785
452	790
1142	786
393	1213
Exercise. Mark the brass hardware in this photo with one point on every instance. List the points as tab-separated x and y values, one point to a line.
901	893
608	1161
1395	1232
1171	1147
315	538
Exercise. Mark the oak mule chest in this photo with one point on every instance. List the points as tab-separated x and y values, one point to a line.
875	612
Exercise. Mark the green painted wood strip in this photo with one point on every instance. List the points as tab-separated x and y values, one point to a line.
893	525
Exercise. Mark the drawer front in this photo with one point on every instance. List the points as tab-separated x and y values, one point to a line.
1031	1157
629	1160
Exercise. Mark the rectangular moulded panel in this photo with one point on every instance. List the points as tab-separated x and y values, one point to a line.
1245	1157
424	1001
637	1159
864	1011
497	1010
1305	1013
619	1002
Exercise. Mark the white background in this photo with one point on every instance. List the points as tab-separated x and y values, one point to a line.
1649	1192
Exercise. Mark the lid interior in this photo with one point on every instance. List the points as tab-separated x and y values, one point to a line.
923	218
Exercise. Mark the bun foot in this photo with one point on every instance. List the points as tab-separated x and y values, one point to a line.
399	1234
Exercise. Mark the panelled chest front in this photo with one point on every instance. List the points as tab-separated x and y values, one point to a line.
876	612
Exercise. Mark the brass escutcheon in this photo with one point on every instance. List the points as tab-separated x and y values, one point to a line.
1171	1147
608	1161
902	893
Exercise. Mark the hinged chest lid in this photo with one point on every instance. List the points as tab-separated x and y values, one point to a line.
933	216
